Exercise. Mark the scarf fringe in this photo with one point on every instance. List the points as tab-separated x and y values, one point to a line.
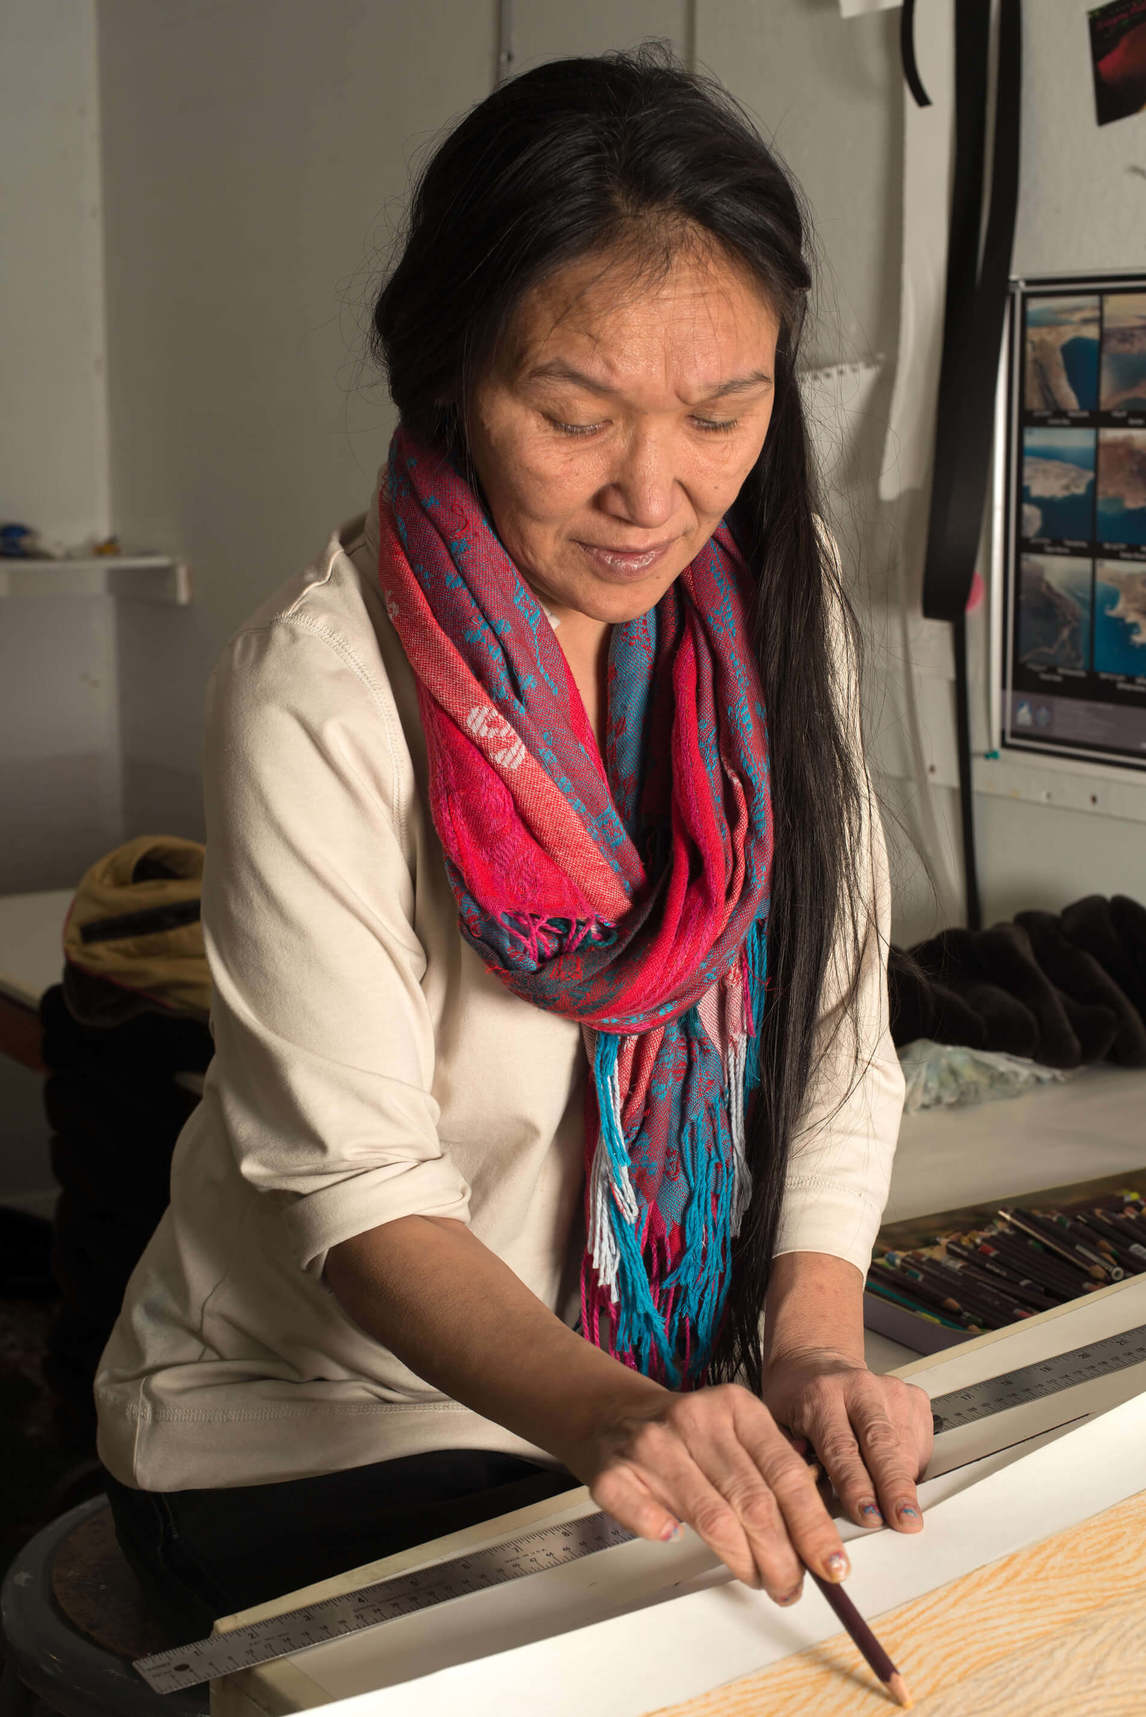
664	1314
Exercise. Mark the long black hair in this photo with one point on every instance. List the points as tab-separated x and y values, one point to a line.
629	151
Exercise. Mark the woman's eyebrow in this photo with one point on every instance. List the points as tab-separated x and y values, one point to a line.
556	370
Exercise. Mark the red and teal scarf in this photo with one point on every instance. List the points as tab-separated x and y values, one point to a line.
629	892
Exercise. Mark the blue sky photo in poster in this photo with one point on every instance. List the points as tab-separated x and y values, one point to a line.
1120	618
1058	484
1061	367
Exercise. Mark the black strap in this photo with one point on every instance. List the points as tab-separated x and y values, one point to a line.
974	311
907	54
976	301
146	921
972	902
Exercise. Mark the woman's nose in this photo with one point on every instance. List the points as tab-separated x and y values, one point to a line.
641	489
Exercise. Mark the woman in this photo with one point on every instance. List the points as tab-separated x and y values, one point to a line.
544	904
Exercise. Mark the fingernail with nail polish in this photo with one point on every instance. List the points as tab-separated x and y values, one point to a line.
792	1596
836	1566
906	1512
670	1532
871	1513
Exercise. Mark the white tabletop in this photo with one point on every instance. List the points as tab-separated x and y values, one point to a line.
31	936
1090	1125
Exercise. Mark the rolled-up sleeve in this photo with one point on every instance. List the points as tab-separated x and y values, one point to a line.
840	1159
324	1042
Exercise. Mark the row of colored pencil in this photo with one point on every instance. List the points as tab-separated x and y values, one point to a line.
1026	1262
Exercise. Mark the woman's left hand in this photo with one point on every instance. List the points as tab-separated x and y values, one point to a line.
872	1435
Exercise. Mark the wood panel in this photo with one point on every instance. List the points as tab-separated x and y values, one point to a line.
1058	1627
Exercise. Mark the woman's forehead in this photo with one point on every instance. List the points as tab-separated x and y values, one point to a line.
698	316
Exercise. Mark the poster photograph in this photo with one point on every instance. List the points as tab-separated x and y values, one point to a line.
1074	654
1118	59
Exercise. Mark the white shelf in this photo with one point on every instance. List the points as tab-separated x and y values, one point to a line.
140	578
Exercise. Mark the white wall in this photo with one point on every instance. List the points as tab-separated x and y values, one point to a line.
257	161
830	92
256	157
59	771
552	29
53	429
825	92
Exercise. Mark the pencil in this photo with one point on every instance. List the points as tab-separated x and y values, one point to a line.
960	1296
986	1296
988	1252
1021	1254
866	1641
1038	1230
1072	1276
1056	1230
1004	1281
1106	1235
881	1292
857	1629
1126	1225
1084	1244
909	1286
912	1283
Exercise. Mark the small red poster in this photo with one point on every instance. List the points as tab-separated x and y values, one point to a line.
1118	54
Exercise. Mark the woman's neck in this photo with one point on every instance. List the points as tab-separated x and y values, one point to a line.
586	646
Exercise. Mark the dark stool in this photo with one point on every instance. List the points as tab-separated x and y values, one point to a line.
73	1618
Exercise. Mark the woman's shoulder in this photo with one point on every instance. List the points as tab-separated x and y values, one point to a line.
333	606
319	655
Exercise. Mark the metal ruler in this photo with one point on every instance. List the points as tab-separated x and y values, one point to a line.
401	1595
555	1546
1045	1377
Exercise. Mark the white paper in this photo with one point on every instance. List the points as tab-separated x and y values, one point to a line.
688	1645
856	8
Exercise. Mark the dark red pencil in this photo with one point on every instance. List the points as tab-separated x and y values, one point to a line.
863	1637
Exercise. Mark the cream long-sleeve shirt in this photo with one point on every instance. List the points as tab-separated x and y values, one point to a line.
368	1067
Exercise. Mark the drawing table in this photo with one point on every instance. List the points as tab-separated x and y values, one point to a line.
1029	1567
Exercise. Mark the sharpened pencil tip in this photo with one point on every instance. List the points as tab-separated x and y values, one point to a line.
898	1687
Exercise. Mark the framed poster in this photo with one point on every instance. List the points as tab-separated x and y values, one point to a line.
1074	626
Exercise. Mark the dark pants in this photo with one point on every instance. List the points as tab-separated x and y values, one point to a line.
206	1553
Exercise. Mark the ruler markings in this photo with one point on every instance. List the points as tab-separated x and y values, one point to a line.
556	1546
1043	1377
386	1600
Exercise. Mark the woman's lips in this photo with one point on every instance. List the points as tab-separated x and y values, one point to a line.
627	563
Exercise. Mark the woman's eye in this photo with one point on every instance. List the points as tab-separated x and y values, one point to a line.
716	426
575	428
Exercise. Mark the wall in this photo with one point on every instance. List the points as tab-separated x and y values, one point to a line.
257	160
829	91
59	767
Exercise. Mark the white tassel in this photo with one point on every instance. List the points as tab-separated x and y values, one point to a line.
623	1190
604	1188
741	1175
601	1241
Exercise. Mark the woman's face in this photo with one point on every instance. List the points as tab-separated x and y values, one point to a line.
619	423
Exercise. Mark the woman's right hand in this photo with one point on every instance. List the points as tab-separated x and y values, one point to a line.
717	1461
714	1459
